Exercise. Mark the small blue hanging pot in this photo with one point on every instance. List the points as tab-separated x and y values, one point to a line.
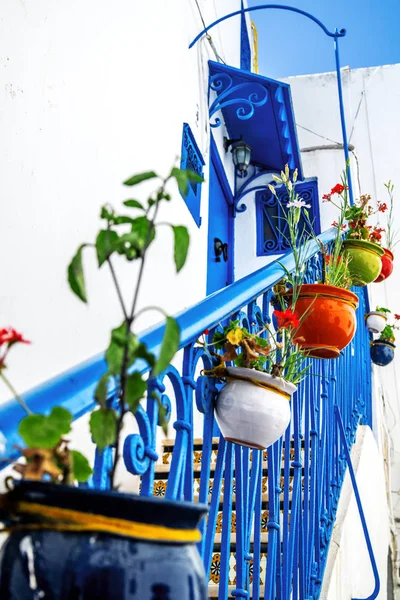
382	352
69	542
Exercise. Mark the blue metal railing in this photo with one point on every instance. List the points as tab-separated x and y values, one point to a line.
278	508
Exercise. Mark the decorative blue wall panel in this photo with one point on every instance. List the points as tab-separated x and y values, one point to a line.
245	52
270	210
191	158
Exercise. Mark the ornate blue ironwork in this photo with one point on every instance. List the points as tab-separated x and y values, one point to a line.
270	212
336	35
222	84
191	158
291	492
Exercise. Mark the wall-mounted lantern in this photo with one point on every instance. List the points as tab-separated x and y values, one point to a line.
241	155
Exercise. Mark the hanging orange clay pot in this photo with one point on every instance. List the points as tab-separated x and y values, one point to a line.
330	321
387	266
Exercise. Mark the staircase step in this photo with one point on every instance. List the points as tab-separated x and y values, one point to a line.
214	577
213	591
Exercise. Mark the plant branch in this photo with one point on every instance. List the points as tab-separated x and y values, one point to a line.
129	318
14	392
117	287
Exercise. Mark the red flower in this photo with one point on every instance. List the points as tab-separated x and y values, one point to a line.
206	332
10	336
375	236
335	224
338	189
382	207
397	317
326	197
286	319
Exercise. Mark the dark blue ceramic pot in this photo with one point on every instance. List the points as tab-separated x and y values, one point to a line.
90	565
382	352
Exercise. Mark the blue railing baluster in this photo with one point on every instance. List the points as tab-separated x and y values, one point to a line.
310	458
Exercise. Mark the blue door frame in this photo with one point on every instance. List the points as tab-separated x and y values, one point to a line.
220	225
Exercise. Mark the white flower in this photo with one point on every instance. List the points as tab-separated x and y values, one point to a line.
298	204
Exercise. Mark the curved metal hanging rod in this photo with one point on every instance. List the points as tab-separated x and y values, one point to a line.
334	34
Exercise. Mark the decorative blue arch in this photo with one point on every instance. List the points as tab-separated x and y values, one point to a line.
336	35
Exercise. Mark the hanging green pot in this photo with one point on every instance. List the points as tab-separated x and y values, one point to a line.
365	260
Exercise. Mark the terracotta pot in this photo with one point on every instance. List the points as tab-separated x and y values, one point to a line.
387	266
365	260
382	352
250	415
375	321
330	322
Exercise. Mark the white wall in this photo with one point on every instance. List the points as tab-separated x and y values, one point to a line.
348	572
89	95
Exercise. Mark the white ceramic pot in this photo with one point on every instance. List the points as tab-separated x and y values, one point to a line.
251	415
376	321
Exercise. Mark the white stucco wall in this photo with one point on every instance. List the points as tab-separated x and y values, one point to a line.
349	574
89	95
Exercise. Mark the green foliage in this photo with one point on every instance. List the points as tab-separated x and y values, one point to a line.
101	390
388	334
383	310
80	467
135	389
76	277
105	244
181	245
121	337
41	431
103	427
183	177
135	179
133	204
169	346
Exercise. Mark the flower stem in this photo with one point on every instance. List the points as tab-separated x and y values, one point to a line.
18	398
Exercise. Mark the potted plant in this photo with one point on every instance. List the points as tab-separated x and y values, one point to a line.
363	242
68	541
376	320
382	349
253	407
390	236
326	310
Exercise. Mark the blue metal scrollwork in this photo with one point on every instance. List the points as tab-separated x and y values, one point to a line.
271	514
222	84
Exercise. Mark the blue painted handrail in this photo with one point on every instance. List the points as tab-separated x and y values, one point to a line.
74	389
274	511
360	508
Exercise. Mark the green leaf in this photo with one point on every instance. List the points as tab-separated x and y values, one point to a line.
133	204
105	241
135	179
103	427
80	466
140	226
134	390
181	179
38	432
181	245
101	390
76	277
142	352
60	419
106	213
192	176
123	220
169	346
115	351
